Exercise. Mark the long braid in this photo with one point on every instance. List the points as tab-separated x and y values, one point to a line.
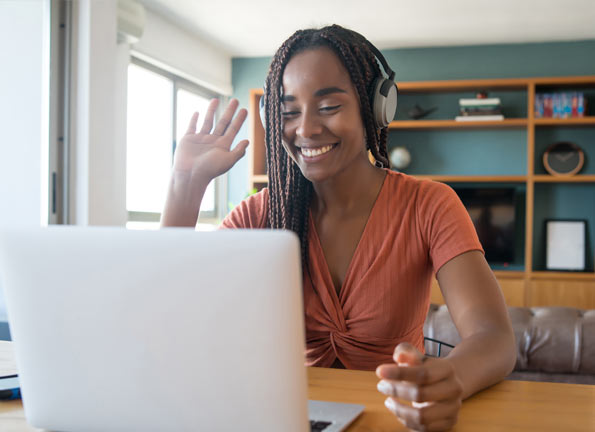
290	193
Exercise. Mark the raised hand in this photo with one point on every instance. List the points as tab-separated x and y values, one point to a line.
208	154
424	393
199	158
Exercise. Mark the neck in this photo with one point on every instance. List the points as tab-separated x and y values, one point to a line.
349	192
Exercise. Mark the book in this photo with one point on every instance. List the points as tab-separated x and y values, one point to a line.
479	102
480	111
560	105
480	117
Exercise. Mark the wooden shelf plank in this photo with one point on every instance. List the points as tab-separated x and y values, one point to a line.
571	81
453	124
260	178
586	178
472	179
579	121
462	85
509	274
562	275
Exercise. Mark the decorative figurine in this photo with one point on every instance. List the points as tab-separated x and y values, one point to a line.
418	112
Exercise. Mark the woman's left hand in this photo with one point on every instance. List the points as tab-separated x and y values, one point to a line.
430	384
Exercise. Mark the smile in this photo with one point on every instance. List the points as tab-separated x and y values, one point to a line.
311	152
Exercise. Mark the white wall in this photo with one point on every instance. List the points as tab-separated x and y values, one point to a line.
23	87
21	111
185	54
99	144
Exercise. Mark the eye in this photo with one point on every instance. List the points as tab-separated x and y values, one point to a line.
330	109
289	114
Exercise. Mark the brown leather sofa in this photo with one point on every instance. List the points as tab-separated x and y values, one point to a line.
555	344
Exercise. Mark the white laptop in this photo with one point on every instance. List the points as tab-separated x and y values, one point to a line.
118	330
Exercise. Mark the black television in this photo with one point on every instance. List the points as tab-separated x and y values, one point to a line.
492	211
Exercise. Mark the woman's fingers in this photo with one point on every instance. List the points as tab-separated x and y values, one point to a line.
236	124
405	353
442	390
192	125
434	416
431	371
207	124
226	118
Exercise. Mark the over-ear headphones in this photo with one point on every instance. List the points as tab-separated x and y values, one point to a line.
383	99
384	96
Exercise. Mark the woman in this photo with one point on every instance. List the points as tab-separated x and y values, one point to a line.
371	238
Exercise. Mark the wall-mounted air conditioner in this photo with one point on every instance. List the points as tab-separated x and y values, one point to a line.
131	21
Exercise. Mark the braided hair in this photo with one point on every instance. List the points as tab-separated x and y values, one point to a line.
290	193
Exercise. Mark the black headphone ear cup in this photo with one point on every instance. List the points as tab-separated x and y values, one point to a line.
384	103
262	112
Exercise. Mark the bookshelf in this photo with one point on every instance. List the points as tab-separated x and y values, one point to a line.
520	138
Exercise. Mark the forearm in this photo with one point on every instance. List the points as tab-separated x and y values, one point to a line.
184	197
483	359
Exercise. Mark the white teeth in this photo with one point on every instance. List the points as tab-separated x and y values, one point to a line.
315	152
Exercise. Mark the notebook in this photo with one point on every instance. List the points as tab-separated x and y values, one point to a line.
118	330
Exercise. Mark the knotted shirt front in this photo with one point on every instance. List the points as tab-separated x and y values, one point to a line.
414	228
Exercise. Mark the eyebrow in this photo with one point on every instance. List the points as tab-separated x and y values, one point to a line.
318	93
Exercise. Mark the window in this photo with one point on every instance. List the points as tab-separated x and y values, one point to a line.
160	105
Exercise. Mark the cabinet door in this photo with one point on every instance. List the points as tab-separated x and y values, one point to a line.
571	293
513	290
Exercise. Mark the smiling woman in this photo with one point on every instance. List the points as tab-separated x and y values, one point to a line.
371	238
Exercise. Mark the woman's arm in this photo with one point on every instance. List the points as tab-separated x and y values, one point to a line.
200	157
487	352
485	355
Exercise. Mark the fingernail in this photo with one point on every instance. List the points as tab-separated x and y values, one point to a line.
390	404
385	387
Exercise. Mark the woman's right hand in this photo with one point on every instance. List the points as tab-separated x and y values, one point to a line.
208	154
199	158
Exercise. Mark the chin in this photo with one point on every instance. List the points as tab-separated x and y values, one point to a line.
316	175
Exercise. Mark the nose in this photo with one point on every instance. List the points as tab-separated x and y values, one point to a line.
309	124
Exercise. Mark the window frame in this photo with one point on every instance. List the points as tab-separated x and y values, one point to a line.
220	183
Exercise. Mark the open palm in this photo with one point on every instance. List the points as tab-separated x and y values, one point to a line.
208	153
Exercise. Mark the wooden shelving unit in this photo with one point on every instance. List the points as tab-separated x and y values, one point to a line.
520	288
564	179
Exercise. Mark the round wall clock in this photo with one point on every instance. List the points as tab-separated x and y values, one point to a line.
563	159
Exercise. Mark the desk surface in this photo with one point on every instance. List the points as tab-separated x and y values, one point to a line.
507	406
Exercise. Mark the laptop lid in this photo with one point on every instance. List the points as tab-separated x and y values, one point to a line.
168	330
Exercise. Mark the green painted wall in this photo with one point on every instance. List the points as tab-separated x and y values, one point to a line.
471	152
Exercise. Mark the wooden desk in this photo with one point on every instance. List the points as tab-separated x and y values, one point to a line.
508	406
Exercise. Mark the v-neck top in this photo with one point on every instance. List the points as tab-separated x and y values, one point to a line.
414	228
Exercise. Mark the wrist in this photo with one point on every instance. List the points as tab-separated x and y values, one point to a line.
183	200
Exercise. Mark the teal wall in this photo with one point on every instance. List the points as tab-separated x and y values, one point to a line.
417	64
471	152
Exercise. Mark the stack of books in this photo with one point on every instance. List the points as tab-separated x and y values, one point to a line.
560	105
480	109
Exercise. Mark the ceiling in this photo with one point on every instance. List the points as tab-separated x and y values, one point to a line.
246	28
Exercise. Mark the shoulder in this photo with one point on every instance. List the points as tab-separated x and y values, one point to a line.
250	213
422	191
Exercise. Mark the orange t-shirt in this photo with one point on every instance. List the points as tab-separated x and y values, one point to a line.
414	228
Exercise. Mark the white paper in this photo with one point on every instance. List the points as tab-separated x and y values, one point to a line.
565	245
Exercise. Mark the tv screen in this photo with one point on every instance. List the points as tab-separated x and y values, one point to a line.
492	211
